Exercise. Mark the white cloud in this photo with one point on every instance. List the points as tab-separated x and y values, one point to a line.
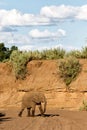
82	13
25	47
59	12
46	34
11	17
5	37
39	34
49	15
29	41
16	18
65	12
11	39
47	47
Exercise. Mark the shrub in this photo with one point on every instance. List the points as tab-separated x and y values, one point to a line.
19	61
69	69
84	52
75	53
36	55
47	54
84	107
55	53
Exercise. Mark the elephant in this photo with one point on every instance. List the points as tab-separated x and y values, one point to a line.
30	100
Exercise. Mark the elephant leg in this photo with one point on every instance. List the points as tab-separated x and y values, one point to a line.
20	113
41	109
28	110
33	110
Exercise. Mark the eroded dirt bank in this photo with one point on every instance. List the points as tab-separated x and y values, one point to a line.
43	76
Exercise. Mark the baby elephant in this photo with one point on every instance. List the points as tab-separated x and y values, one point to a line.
30	100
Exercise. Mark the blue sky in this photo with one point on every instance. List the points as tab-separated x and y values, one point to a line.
41	24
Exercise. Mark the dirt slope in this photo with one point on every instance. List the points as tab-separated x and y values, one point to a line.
53	120
43	76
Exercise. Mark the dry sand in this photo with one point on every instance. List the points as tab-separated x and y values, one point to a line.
53	120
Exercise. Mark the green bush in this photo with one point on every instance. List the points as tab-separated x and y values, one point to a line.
69	69
19	61
46	54
84	107
75	53
36	55
84	52
55	53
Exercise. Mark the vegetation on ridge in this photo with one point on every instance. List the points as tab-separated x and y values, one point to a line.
69	66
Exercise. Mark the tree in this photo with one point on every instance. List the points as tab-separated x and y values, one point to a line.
4	52
13	48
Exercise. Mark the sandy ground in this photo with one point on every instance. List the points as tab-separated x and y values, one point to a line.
53	120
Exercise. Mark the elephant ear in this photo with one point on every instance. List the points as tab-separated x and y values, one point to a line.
36	98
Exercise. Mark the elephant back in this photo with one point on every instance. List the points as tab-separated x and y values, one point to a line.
36	97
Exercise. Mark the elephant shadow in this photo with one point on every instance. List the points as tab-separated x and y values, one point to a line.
4	118
48	115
